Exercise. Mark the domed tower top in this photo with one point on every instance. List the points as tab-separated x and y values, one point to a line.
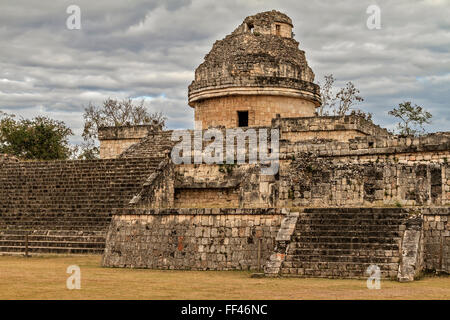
254	74
270	22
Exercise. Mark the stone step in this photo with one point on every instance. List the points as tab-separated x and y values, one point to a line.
343	245
58	221
334	273
298	260
46	166
343	252
349	222
341	265
346	233
355	210
359	240
100	201
360	216
63	232
52	244
58	238
44	213
54	220
71	228
344	242
59	250
351	216
54	215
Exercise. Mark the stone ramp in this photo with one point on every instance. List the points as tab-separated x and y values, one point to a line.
341	243
65	206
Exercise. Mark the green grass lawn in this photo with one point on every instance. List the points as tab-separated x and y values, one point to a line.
45	278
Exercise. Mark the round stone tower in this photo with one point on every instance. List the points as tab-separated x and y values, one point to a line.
254	74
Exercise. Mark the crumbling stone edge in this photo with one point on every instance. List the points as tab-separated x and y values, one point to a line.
411	254
282	241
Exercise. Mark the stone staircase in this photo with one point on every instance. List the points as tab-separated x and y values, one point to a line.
53	233
343	243
65	206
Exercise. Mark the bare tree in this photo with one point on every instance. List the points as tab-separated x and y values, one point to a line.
341	102
113	113
412	118
346	99
326	92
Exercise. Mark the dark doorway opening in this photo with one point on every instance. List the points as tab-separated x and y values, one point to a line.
250	27
278	29
242	118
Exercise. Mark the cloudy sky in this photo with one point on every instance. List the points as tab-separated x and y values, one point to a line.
150	49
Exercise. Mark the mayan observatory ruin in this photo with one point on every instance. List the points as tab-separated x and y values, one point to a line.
284	192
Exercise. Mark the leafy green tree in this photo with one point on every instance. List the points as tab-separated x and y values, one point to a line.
113	113
412	118
41	138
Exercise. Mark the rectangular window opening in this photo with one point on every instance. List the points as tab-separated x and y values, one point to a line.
278	29
242	118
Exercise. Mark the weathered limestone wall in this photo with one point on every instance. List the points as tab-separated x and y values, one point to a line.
110	149
289	244
372	170
282	29
340	135
192	239
206	198
158	190
313	182
341	129
412	249
436	228
241	186
261	109
115	140
433	147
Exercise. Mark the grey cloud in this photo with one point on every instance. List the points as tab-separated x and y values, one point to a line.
149	49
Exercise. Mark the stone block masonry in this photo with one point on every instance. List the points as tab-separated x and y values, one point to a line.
311	242
115	140
337	128
309	181
261	109
65	206
411	264
436	229
434	147
192	239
